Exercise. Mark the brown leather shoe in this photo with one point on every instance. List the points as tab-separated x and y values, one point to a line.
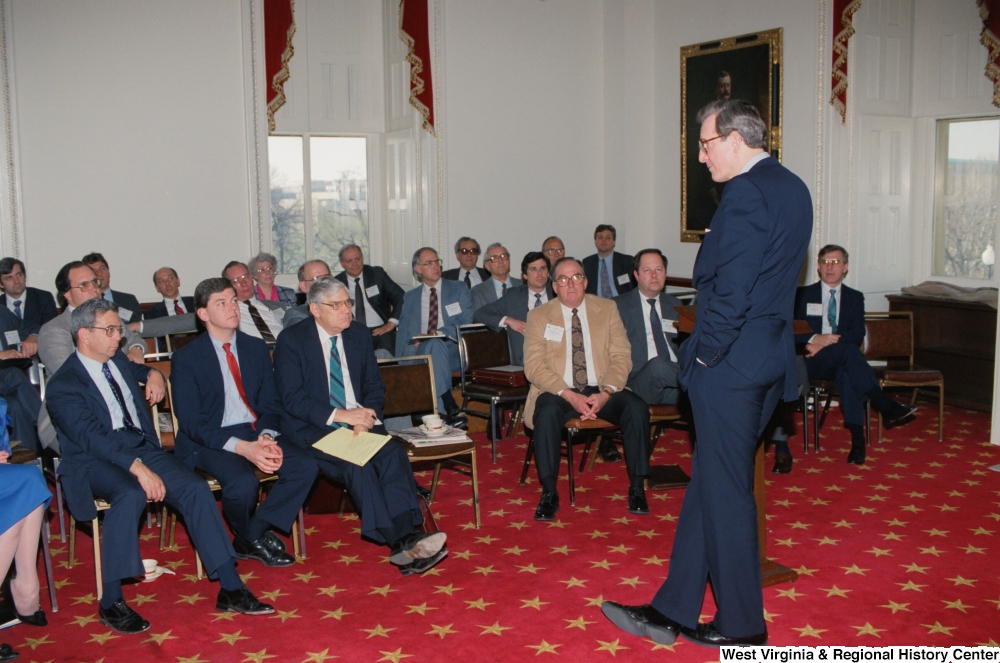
782	463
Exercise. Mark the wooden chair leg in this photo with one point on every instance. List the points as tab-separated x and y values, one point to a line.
475	488
527	461
434	481
591	456
163	526
97	559
295	538
198	566
72	541
302	532
569	466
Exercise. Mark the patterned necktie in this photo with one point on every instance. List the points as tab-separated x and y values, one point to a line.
258	322
117	391
656	325
538	300
604	280
177	307
468	280
337	393
579	354
831	311
17	309
359	303
503	289
432	312
234	369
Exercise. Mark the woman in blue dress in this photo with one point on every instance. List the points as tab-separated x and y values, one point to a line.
23	500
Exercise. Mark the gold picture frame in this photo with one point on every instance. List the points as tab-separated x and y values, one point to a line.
752	64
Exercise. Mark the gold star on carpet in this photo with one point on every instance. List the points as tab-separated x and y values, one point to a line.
892	536
158	638
190	599
955	493
544	648
803	571
348	560
969	549
789	593
564	549
959	580
305	577
378	630
190	577
818	502
515	550
518	502
868	629
441	630
530	568
981	530
496	629
382	591
835	591
557	523
535	603
486	539
896	607
597	534
956	605
945	507
499	512
270	596
612	646
785	542
896	522
813	470
318	657
879	552
594	602
228	616
448	589
84	620
877	498
62	583
863	510
808	630
655	560
579	623
668	517
769	616
336	614
894	476
181	659
465	554
331	590
485	570
938	628
479	604
620	521
257	657
930	551
835	488
89	598
632	582
420	609
589	509
827	541
141	599
232	638
501	490
99	638
799	525
915	568
285	615
909	584
247	576
649	534
785	503
468	525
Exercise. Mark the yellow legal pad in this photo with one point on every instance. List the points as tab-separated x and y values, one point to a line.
343	444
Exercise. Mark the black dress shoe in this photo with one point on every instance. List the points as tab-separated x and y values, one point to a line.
782	463
7	653
857	456
898	414
417	545
609	452
423	492
262	552
642	620
119	617
637	500
548	506
241	600
273	542
421	565
456	419
707	635
37	619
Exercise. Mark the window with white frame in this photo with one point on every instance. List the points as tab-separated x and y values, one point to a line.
965	197
315	222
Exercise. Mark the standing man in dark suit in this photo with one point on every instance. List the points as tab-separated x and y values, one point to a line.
437	307
609	273
836	314
328	378
511	310
378	301
110	451
737	364
229	417
167	283
128	306
498	263
34	306
467	253
650	321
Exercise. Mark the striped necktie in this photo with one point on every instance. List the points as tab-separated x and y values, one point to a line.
338	399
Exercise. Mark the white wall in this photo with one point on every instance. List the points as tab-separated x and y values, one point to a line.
132	137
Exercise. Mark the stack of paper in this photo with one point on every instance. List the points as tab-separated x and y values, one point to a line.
419	438
357	449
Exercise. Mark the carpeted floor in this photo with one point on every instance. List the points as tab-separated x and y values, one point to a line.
901	550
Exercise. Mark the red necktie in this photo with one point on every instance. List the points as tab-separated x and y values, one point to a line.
177	307
234	368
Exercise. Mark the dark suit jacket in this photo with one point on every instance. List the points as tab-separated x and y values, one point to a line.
83	420
621	263
10	322
39	308
512	305
452	274
160	309
129	303
389	300
450	292
850	319
746	274
632	313
303	388
199	395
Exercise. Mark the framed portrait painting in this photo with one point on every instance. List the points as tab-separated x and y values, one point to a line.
747	67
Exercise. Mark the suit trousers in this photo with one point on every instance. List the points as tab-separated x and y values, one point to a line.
444	354
846	366
240	485
623	409
385	341
186	492
656	382
381	490
716	535
23	405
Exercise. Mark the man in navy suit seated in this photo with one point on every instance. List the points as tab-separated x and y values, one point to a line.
378	301
609	273
34	306
110	451
437	307
168	284
836	314
229	417
23	401
328	378
128	306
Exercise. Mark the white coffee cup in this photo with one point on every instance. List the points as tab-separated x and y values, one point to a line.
432	422
149	565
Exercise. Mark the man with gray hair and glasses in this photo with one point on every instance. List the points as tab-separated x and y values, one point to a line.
498	263
467	253
737	364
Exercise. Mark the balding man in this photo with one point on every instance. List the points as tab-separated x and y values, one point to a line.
378	301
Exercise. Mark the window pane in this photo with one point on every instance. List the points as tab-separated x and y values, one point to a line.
965	214
288	233
339	195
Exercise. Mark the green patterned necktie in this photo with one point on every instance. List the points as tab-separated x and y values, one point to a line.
831	311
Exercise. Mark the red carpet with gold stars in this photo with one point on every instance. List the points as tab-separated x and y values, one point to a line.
900	551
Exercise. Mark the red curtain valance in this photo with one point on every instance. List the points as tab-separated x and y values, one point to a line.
843	30
989	10
279	26
414	31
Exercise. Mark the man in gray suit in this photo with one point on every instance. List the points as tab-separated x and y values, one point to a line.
511	310
497	261
650	322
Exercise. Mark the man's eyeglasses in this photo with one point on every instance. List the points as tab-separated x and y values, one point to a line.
831	261
240	279
111	331
336	306
94	284
705	142
431	263
564	280
469	252
497	257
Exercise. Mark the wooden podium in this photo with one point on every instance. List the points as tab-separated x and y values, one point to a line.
772	573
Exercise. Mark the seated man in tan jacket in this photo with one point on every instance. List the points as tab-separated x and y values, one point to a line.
577	357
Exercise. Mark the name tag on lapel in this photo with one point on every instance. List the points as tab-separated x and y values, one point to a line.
553	333
814	309
372	291
453	309
125	314
13	338
668	326
623	279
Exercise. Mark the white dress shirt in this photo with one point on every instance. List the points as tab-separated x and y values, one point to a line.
650	342
825	290
568	334
269	317
349	397
425	306
474	276
753	162
498	286
169	303
544	297
10	303
372	317
235	410
96	371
